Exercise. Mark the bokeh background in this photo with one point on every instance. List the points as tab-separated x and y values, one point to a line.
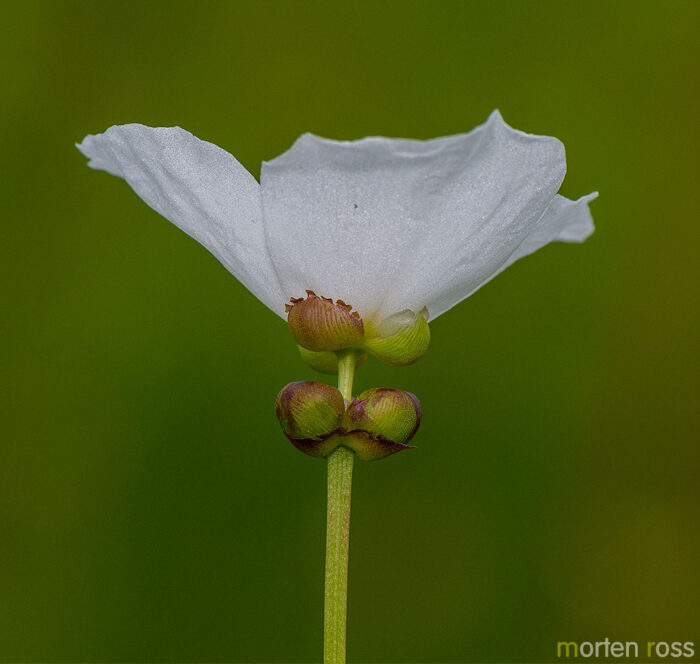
151	510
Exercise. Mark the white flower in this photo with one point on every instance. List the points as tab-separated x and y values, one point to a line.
383	224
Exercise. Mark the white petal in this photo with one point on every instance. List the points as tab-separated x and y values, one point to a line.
388	224
201	188
563	221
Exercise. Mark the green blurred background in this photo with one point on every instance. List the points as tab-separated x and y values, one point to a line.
151	510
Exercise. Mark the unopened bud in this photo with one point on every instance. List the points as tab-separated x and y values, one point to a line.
400	339
320	324
310	413
380	422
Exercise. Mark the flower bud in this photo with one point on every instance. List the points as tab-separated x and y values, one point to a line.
380	422
319	324
310	413
400	339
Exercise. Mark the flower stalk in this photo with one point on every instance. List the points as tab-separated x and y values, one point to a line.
340	464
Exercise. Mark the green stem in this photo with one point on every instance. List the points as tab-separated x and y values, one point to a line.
346	372
338	532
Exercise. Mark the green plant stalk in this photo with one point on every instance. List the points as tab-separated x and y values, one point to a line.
340	463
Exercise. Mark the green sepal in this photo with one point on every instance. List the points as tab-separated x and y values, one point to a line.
320	324
369	448
317	448
400	339
366	446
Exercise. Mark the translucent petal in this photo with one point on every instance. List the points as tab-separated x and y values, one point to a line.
201	188
563	221
388	225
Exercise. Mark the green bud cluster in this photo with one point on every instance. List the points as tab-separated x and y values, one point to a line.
322	327
379	422
375	424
